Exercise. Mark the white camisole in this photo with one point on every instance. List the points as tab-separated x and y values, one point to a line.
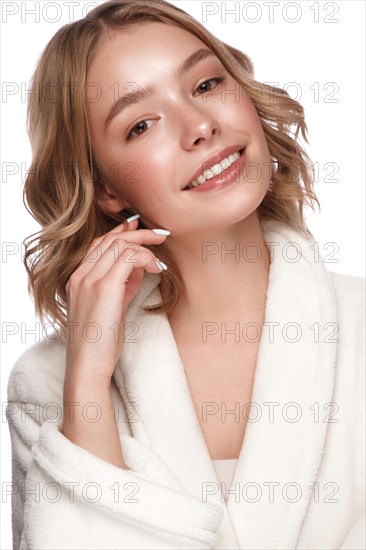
225	471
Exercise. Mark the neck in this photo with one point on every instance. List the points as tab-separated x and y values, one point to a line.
225	272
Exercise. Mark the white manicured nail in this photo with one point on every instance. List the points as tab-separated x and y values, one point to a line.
131	218
161	231
160	264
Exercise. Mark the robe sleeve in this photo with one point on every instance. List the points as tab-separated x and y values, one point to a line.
356	537
65	497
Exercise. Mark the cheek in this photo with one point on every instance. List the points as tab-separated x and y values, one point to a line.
141	178
245	113
248	118
238	109
151	170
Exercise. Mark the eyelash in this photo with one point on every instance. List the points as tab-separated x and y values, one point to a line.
217	79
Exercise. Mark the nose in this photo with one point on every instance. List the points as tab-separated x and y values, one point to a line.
199	124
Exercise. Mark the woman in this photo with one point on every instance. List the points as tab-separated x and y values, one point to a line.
204	376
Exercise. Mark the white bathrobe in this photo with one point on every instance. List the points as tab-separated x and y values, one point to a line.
299	480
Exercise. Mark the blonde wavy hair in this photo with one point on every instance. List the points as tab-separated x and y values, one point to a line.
59	191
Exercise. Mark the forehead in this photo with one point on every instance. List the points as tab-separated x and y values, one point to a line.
140	52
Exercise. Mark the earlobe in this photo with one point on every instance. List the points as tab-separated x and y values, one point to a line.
107	200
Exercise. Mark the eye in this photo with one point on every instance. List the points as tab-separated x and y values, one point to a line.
139	127
207	86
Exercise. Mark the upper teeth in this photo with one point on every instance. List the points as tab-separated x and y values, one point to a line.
215	170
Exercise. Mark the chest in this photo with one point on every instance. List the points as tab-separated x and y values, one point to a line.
220	379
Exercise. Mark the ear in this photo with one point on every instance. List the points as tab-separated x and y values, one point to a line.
107	200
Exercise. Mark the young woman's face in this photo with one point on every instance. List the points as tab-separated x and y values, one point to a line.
156	143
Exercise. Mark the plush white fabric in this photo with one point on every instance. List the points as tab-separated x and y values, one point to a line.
169	468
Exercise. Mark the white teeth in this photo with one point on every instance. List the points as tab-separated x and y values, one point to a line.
215	170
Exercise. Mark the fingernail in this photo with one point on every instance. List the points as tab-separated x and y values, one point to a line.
161	231
131	218
160	264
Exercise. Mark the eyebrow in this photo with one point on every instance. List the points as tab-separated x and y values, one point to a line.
142	93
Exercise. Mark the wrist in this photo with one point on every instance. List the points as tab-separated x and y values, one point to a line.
86	380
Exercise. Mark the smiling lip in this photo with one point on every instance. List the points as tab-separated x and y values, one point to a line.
225	178
215	159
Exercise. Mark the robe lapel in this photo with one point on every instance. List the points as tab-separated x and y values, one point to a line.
295	376
284	439
152	376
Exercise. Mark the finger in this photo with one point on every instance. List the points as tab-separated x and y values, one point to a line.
120	270
115	271
132	227
100	245
140	236
120	251
96	267
126	226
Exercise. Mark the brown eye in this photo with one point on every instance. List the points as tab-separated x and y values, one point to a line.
139	128
210	84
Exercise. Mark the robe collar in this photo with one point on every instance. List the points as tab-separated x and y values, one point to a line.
293	387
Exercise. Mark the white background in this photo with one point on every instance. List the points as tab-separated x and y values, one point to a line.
323	51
